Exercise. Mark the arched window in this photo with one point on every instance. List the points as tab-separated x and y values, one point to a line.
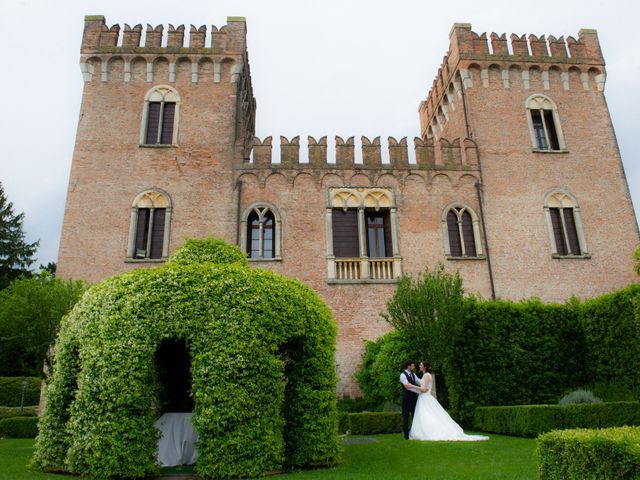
544	124
150	221
261	232
564	225
160	116
461	231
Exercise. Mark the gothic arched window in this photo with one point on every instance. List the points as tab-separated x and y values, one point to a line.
261	232
564	225
160	116
150	221
461	231
544	123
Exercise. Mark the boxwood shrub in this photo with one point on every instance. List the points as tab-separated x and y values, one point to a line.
532	420
608	454
370	423
19	427
11	391
8	412
262	366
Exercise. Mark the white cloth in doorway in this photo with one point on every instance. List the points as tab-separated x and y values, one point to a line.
177	445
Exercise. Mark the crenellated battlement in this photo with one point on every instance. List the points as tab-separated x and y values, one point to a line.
98	38
481	60
362	154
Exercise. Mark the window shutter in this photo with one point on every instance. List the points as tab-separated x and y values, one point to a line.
538	130
345	233
551	129
153	122
467	235
454	235
168	116
157	235
268	240
556	223
253	235
570	225
387	234
142	229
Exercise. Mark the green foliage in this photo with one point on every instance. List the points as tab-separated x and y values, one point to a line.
611	325
428	311
636	256
30	314
11	391
370	423
247	329
15	254
532	420
8	412
212	250
19	427
579	396
609	454
352	405
382	364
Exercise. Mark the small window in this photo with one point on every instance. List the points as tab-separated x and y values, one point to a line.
160	117
260	235
378	234
345	233
462	232
544	124
565	229
150	218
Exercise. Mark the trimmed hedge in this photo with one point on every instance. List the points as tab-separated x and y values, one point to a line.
11	391
262	366
8	412
609	454
532	420
19	427
370	423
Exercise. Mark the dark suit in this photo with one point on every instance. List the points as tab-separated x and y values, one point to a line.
409	400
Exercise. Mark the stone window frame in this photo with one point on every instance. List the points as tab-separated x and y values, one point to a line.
360	199
160	93
150	198
459	209
261	208
562	198
539	101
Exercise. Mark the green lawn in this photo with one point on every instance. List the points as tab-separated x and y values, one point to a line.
388	457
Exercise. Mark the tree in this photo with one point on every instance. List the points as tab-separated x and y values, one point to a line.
30	312
16	256
428	311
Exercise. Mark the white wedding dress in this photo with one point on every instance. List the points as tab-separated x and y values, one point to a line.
432	422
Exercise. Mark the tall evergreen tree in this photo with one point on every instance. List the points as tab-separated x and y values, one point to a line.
15	254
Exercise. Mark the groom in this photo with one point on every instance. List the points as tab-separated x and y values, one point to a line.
410	390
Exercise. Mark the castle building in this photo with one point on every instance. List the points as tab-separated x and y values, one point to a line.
516	180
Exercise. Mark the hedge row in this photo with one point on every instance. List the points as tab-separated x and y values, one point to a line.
532	420
609	454
370	423
8	412
19	427
11	391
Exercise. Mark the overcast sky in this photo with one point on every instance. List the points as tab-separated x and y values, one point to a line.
318	68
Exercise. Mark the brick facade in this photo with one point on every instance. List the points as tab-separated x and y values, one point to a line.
474	135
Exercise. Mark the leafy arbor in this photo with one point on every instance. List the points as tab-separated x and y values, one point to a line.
15	254
262	367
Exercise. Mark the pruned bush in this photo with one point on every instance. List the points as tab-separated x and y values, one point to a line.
371	423
8	412
532	420
247	330
19	427
11	391
579	396
609	454
212	250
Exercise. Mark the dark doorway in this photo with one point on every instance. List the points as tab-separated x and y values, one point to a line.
173	365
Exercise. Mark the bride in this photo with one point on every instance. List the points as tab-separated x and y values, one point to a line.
431	421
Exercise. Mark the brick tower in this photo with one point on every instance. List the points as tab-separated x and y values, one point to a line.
516	181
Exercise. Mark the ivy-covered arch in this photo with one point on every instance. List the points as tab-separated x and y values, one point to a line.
262	365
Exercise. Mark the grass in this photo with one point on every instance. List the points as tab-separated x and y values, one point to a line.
388	457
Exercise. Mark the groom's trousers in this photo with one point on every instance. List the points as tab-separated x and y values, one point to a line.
408	408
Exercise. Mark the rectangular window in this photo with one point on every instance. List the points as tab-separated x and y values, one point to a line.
572	233
168	116
551	130
142	231
378	234
160	121
564	228
538	130
345	233
157	233
150	233
153	123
